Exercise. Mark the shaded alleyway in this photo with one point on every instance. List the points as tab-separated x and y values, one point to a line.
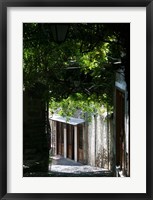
64	167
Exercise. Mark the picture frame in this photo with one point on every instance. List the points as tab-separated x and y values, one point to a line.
3	97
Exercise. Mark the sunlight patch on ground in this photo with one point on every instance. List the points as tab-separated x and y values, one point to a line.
63	165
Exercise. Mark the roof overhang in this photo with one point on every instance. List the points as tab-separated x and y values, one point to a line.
71	121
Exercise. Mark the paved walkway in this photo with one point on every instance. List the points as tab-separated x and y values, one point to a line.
64	167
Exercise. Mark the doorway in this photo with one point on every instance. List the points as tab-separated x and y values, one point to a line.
120	130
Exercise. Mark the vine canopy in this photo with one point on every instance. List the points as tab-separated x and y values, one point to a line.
79	71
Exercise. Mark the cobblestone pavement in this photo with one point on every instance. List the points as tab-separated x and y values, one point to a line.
61	166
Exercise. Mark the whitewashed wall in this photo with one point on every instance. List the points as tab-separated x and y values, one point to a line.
101	142
98	141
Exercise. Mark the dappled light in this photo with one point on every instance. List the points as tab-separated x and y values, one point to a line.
76	92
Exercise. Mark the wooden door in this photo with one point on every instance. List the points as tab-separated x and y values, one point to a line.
59	138
80	142
120	131
70	141
62	139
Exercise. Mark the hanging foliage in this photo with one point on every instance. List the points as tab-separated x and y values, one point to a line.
78	72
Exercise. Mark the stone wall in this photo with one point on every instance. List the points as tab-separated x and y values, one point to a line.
98	141
35	141
101	142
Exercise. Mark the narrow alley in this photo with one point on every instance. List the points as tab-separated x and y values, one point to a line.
64	167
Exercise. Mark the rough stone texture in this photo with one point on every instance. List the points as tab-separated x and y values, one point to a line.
62	167
100	142
91	142
66	167
35	143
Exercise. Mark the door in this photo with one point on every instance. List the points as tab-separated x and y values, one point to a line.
70	141
59	138
80	143
120	131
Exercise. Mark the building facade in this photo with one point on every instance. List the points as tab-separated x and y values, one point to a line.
82	141
103	142
121	125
